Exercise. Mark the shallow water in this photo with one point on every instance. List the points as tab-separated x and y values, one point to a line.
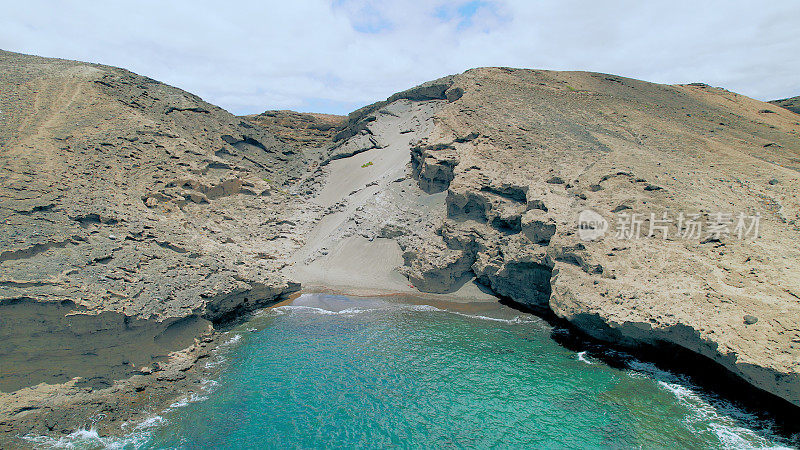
343	373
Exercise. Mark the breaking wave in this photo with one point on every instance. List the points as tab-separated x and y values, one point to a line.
734	427
83	438
582	358
416	308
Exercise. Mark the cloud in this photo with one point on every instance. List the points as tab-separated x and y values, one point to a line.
466	14
336	56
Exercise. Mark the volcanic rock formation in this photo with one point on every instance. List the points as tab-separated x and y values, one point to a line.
144	206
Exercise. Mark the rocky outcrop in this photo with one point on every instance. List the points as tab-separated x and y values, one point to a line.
433	166
99	348
303	129
123	194
440	89
547	146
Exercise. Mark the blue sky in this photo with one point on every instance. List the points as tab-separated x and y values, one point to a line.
335	56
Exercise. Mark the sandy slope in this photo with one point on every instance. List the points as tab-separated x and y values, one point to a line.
338	253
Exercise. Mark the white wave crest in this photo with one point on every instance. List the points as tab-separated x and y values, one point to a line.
90	438
150	422
235	339
424	308
722	417
312	309
416	308
515	320
191	398
208	385
429	308
218	359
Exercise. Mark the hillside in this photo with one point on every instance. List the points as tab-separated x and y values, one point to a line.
127	228
792	104
124	194
164	217
503	161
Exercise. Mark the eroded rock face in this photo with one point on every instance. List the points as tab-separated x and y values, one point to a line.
123	194
545	146
433	166
38	337
307	130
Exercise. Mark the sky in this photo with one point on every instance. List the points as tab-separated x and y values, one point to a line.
334	56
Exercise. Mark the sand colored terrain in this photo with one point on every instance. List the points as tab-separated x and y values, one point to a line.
141	205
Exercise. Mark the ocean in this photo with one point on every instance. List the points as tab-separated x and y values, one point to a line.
338	372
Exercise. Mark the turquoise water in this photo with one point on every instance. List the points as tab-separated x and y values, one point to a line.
341	373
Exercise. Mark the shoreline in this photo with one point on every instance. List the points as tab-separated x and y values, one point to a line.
704	372
58	410
143	397
700	370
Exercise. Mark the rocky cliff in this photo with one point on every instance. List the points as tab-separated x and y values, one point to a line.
130	200
134	215
505	161
123	194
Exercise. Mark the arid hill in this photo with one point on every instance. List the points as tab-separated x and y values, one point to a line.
307	130
121	193
140	205
135	204
503	163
